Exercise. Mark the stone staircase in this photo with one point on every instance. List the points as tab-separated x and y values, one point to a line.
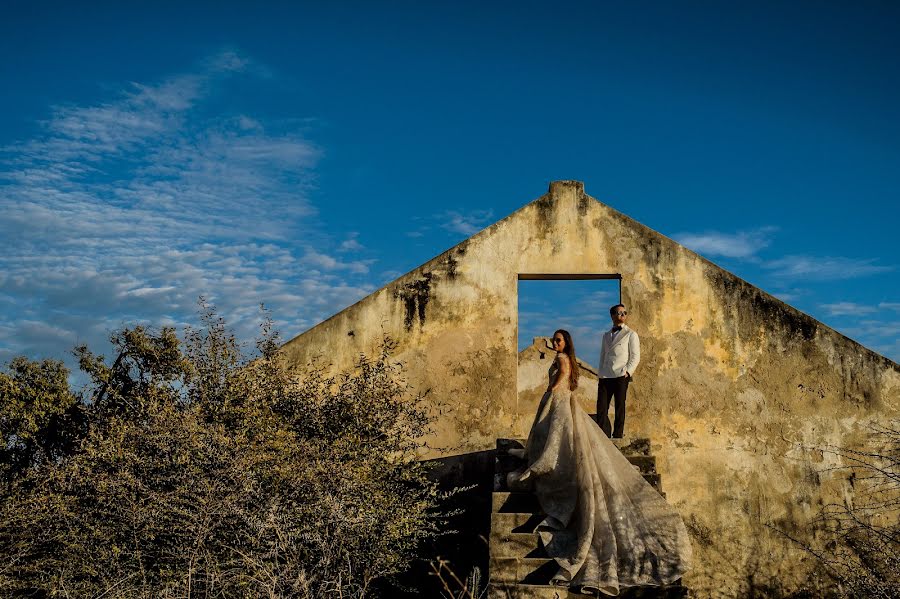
519	568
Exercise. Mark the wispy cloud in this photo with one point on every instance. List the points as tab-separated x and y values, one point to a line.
465	224
847	309
882	336
791	295
329	263
452	221
130	209
824	267
743	244
747	246
351	243
875	326
596	305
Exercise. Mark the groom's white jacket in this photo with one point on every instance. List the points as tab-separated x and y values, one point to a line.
619	355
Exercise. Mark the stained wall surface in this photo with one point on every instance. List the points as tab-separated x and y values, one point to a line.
736	389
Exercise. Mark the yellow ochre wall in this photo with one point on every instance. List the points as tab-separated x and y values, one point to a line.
734	387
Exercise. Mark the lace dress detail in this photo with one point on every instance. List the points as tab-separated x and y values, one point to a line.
605	526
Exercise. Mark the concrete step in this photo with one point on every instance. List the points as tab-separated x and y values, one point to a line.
508	502
645	463
627	445
519	566
512	534
516	544
529	591
504	445
503	523
633	445
655	482
501	486
507	463
522	570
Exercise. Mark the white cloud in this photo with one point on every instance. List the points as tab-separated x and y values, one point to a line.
597	301
787	296
323	261
869	325
847	309
351	244
147	291
743	244
465	224
452	221
128	210
890	348
823	267
875	334
390	275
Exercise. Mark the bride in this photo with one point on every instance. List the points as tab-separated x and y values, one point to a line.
605	526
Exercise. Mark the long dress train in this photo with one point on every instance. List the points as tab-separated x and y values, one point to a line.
605	525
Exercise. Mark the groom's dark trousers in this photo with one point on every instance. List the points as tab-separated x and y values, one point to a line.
608	389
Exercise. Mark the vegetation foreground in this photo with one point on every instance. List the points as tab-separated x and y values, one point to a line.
187	469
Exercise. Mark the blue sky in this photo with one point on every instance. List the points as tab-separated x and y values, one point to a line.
305	154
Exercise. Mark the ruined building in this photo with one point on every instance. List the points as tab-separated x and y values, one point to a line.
736	388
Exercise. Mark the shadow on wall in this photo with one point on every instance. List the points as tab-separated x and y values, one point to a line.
756	573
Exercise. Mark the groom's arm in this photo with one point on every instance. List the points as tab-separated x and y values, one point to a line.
634	354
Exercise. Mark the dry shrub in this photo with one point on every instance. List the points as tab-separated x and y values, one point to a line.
188	469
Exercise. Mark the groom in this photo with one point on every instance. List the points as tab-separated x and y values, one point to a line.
619	356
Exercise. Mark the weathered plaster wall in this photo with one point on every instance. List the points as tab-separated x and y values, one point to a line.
732	386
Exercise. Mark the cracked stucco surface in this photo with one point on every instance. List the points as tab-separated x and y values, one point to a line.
736	389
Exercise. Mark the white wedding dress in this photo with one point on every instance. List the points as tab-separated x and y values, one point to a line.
605	526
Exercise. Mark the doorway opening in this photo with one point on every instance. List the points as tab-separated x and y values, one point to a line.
578	303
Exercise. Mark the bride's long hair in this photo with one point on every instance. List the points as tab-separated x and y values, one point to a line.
573	363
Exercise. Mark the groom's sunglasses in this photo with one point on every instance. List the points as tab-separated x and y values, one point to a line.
621	313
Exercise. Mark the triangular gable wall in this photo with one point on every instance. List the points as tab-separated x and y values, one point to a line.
732	383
